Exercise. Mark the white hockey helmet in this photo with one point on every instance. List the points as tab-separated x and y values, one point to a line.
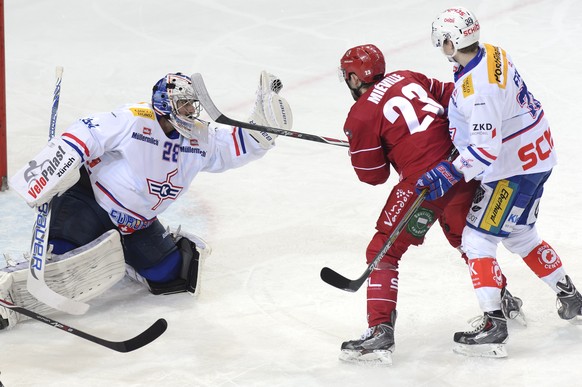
173	98
457	24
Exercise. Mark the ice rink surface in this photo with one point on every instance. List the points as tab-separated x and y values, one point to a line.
264	317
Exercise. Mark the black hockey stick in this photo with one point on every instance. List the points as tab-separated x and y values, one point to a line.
144	338
217	116
339	281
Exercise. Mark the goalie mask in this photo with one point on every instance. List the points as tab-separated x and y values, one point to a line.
174	99
459	25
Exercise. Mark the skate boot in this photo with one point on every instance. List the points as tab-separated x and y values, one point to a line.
511	307
569	302
375	347
487	340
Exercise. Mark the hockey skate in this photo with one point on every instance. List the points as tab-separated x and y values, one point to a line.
487	340
511	307
569	302
375	347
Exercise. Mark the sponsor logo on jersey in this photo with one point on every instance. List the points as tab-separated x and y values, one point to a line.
148	139
194	150
420	222
496	65
38	175
498	206
127	223
482	127
467	86
143	112
382	87
146	131
164	190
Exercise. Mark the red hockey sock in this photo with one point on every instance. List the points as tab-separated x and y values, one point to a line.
382	295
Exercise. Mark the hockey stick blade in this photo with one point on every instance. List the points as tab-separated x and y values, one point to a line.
337	280
217	116
144	338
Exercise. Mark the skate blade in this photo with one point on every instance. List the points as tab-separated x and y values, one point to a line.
576	320
375	358
518	317
481	350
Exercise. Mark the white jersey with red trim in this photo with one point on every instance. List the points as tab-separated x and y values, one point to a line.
137	171
496	124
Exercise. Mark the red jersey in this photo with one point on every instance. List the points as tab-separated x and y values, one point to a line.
400	121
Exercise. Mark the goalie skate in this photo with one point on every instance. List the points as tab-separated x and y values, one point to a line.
375	347
487	340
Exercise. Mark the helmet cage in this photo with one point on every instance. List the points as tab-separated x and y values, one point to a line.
174	99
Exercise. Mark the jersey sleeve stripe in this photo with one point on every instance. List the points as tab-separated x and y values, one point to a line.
477	155
370	169
78	144
365	150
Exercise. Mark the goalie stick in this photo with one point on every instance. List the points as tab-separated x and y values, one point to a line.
337	280
35	283
217	116
144	338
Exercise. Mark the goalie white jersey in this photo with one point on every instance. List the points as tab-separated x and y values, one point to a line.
496	124
137	171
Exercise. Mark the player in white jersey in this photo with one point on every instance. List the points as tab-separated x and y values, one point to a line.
134	162
504	140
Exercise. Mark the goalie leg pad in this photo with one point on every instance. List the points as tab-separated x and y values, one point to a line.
8	318
81	274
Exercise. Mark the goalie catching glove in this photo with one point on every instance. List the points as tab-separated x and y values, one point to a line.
270	109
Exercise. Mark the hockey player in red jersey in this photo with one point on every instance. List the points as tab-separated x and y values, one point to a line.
399	121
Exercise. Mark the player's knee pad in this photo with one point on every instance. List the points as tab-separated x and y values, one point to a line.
522	240
81	274
477	244
180	272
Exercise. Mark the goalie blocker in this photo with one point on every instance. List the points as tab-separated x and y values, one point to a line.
51	172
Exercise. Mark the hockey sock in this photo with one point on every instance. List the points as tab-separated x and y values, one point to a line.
382	296
546	264
487	282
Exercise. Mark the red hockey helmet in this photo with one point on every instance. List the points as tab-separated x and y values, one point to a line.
366	61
